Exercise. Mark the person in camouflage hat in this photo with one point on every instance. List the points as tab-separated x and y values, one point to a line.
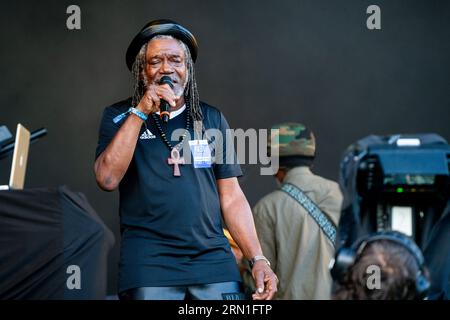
296	145
291	237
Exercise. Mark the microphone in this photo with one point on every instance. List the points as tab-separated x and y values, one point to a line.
164	106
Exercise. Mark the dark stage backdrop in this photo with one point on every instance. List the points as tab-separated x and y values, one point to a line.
260	62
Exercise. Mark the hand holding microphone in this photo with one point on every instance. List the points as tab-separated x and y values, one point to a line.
159	97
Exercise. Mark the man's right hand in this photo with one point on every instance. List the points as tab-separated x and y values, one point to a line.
151	100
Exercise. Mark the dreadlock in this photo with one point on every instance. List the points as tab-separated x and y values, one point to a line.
191	96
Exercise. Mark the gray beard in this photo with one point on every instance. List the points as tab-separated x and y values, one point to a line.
177	90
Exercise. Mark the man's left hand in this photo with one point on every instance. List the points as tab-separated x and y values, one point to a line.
265	279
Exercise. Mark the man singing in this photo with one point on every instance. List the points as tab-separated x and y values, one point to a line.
172	244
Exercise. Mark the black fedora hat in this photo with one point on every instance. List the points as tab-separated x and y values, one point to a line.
161	27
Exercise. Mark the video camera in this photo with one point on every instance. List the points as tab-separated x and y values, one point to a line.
397	182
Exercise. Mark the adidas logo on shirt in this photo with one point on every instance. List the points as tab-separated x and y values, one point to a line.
147	135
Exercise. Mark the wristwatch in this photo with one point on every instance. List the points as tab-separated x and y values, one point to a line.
256	258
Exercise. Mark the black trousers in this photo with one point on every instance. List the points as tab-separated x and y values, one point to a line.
213	291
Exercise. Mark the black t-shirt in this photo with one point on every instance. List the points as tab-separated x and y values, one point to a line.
171	226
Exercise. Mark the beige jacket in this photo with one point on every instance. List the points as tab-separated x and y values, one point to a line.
298	250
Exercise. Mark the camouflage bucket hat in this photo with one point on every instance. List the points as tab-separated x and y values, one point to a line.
294	140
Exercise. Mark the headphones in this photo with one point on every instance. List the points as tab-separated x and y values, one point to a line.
346	256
